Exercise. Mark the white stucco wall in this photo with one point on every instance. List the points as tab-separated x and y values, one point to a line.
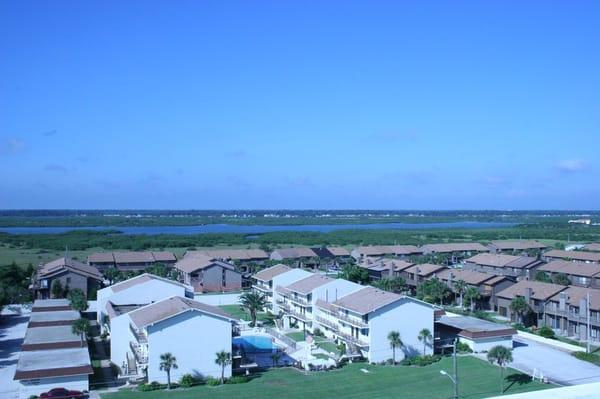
36	387
485	344
120	337
285	279
334	290
218	299
144	293
408	317
193	338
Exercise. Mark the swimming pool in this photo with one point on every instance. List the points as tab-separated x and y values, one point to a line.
255	343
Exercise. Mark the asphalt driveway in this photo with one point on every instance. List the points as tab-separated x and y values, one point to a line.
558	366
13	324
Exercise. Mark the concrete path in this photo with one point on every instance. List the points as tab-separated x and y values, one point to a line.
556	365
13	324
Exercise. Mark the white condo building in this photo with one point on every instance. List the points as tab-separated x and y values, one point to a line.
141	290
363	319
191	331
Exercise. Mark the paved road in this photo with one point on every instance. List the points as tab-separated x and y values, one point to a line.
557	366
12	330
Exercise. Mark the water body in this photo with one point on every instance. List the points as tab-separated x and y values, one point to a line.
255	229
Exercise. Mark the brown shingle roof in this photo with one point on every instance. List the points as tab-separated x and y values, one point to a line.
495	260
573	268
576	294
306	285
231	254
517	244
101	257
133	257
592	247
455	247
293	253
190	264
575	255
468	276
425	269
164	256
380	250
540	291
367	300
338	251
270	272
170	307
386	264
62	264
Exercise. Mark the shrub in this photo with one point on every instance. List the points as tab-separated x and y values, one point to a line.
389	361
188	380
546	332
238	379
318	333
153	386
587	357
33	397
212	381
461	347
421	361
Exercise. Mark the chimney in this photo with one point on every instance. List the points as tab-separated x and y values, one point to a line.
528	294
562	301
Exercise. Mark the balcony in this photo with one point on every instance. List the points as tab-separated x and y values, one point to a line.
284	306
327	323
299	300
137	353
299	316
353	340
140	336
261	288
350	320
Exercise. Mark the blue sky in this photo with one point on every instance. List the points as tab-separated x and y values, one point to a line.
213	105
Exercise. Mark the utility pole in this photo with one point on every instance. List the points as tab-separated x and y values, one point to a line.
454	363
587	313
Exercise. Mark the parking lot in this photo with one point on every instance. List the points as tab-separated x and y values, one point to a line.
13	324
556	365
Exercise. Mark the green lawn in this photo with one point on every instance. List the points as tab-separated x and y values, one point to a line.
478	379
237	312
297	336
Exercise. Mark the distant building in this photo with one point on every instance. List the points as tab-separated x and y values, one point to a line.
385	268
377	251
70	273
131	260
594	247
535	293
486	284
518	267
566	312
206	274
580	274
515	246
301	256
581	256
233	255
457	251
416	274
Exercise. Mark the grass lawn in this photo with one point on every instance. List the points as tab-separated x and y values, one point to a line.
478	379
297	336
23	257
238	312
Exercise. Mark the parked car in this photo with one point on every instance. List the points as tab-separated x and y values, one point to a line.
62	393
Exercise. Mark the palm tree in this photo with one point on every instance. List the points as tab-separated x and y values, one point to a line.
395	342
253	302
112	274
275	357
520	306
472	295
223	359
501	355
424	336
168	362
81	327
77	300
459	287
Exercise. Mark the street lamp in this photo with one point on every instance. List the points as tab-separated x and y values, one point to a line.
442	372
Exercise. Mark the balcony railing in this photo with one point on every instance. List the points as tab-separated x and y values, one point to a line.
352	339
298	315
299	300
261	288
140	336
328	323
137	352
572	315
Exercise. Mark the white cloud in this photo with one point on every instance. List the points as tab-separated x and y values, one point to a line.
572	165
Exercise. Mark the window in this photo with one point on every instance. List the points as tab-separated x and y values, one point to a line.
594	333
224	278
68	280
